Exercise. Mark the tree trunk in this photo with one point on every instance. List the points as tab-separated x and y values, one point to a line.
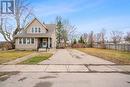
12	44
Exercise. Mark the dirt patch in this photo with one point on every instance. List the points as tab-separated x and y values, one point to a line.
78	57
22	79
75	56
47	77
44	84
5	75
128	82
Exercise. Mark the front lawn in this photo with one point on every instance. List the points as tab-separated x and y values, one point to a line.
6	56
37	59
118	57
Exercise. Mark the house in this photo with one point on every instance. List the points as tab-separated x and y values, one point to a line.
36	35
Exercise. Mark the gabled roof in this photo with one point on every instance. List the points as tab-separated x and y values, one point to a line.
51	27
33	21
50	30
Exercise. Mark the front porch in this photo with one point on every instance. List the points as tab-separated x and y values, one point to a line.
44	43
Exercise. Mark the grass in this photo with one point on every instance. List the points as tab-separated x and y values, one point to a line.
117	57
37	59
6	56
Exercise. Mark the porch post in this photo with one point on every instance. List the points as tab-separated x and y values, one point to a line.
48	42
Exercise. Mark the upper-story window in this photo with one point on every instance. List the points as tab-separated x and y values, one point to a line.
36	30
39	30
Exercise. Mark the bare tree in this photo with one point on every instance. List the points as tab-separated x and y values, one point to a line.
22	13
65	31
102	38
4	31
91	39
127	37
97	36
69	31
85	37
116	36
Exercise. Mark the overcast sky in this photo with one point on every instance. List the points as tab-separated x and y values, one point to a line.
86	15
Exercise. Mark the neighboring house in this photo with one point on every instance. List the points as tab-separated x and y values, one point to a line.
36	35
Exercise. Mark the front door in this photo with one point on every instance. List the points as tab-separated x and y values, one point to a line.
44	43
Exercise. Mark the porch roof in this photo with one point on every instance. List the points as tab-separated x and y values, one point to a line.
33	35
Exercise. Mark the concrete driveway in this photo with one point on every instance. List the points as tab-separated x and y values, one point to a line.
71	56
67	68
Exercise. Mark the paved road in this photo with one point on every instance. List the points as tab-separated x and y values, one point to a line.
71	56
67	80
65	75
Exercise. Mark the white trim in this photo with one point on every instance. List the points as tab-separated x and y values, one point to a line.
48	42
27	40
38	21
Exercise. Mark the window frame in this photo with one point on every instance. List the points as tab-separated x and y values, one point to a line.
35	29
39	30
20	40
32	40
24	40
28	40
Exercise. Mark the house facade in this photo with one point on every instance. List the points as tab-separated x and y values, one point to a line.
36	35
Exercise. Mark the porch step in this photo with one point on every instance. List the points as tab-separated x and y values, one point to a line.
42	50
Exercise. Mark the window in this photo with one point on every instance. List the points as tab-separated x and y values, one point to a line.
28	40
24	40
32	40
32	30
35	30
20	40
39	30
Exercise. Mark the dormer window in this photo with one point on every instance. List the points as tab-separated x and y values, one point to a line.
35	30
32	30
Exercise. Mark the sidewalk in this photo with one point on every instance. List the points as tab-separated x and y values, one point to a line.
65	68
